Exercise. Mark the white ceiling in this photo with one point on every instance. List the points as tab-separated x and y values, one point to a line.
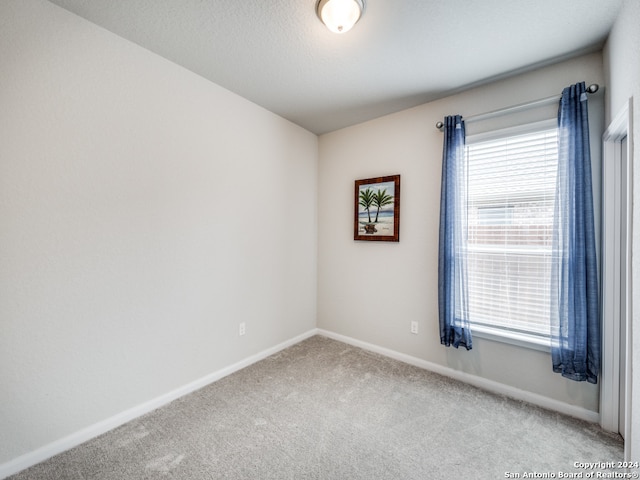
402	53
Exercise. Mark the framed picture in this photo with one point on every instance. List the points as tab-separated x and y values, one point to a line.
377	209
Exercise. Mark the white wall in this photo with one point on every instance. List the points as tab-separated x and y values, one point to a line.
622	69
371	291
145	212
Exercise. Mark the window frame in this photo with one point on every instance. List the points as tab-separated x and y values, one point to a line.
494	333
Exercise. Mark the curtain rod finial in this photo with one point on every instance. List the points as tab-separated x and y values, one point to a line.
439	125
593	88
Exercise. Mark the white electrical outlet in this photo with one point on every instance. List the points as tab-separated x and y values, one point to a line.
414	327
242	329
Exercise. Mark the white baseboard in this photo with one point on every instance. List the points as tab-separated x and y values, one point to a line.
47	451
483	383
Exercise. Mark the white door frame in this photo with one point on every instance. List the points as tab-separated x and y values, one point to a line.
613	306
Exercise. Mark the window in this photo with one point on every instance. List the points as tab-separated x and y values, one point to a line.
510	209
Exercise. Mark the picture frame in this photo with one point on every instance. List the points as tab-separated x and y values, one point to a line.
377	209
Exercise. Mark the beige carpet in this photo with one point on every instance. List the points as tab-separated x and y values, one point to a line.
325	410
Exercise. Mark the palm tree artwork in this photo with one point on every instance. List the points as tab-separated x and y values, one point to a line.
378	199
377	209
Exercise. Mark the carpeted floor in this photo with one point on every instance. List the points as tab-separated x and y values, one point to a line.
326	410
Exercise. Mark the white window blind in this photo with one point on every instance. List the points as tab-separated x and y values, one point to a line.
511	188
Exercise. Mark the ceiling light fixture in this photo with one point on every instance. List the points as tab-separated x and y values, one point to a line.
339	15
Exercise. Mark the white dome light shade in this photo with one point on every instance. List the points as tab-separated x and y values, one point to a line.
339	15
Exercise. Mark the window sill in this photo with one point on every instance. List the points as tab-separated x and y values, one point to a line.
512	338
